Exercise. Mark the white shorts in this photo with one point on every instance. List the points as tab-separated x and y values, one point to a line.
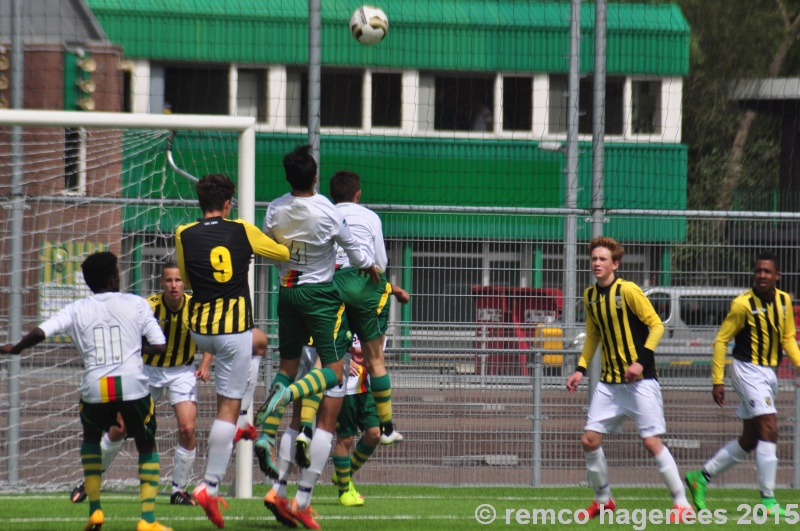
232	354
613	403
180	383
307	360
757	388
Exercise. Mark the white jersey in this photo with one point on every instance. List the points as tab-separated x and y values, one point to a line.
366	227
107	329
311	227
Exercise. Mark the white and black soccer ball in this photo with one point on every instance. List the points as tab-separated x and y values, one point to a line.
369	25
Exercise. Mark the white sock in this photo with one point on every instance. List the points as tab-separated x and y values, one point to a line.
285	465
598	475
725	458
220	447
320	450
255	366
109	450
183	461
672	478
247	399
767	461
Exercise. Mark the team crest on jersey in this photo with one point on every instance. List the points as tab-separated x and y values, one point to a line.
759	311
768	401
618	302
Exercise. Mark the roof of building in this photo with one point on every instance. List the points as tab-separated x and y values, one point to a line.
472	35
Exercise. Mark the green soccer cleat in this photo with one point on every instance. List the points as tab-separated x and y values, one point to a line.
279	397
350	498
697	484
352	488
772	507
264	448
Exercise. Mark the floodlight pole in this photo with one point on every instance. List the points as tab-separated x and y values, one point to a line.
598	146
571	196
314	79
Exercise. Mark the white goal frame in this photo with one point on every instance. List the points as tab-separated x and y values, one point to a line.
245	129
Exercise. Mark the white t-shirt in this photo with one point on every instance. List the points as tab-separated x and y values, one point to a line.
107	330
366	227
310	227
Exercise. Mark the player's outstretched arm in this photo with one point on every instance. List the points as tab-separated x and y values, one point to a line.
34	337
400	294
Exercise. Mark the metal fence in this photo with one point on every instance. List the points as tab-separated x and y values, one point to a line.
480	396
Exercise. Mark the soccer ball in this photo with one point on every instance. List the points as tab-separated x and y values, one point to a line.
369	25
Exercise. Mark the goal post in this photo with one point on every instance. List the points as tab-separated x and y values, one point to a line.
56	234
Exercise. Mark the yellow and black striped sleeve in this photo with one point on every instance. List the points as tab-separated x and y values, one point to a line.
734	322
789	341
264	245
640	306
592	335
179	255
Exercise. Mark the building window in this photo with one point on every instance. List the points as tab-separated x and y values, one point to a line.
251	95
517	103
386	99
463	103
340	98
74	161
296	98
127	91
646	107
195	90
558	104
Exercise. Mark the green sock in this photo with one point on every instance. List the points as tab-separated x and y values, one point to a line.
92	461
315	382
149	474
341	463
382	393
360	456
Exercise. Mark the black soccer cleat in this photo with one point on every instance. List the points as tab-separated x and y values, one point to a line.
78	493
181	497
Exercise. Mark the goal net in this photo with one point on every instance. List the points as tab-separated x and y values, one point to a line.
84	183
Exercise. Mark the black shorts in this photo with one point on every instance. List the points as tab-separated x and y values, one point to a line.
138	415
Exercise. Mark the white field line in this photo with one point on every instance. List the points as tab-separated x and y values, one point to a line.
718	497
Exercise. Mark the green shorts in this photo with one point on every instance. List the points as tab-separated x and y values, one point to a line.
138	415
358	414
367	302
310	310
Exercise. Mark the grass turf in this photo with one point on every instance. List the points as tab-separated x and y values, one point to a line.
393	508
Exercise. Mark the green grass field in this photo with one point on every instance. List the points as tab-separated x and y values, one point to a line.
387	507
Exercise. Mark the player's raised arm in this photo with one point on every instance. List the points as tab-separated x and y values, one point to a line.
264	245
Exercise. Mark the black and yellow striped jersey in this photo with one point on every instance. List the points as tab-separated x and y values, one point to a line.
175	325
214	258
623	321
761	329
